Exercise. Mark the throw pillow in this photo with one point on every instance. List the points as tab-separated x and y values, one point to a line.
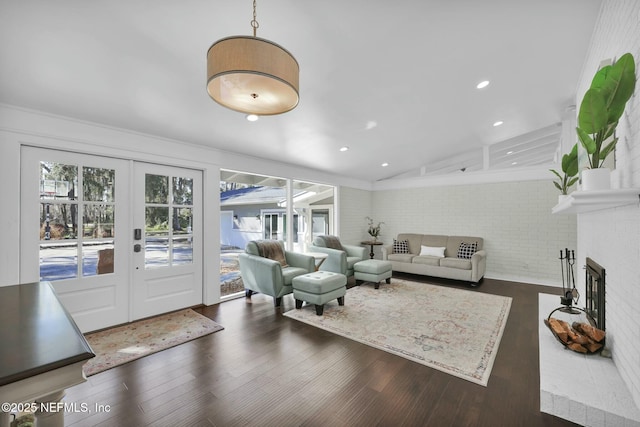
400	247
466	250
432	251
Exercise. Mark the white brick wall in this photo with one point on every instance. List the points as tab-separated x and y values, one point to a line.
355	206
522	238
612	237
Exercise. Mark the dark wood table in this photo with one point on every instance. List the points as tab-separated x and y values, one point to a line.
371	243
41	352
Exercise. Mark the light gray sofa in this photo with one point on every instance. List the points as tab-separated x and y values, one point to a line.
450	266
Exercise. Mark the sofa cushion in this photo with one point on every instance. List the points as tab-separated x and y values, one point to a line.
466	250
432	251
427	259
400	257
462	264
400	246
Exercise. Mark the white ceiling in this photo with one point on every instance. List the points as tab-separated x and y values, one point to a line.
393	80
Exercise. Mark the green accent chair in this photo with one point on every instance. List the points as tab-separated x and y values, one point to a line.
268	276
341	258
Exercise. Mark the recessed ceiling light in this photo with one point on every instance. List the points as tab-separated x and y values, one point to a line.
345	148
483	84
509	153
498	123
514	163
385	164
252	117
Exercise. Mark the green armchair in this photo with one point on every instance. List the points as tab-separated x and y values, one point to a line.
341	258
268	276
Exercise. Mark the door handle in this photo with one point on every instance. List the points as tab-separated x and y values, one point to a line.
137	247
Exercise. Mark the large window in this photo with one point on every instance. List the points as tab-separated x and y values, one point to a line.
254	207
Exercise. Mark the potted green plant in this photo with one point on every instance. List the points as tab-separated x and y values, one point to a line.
569	174
601	109
374	230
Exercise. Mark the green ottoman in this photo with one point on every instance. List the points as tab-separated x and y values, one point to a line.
319	288
372	270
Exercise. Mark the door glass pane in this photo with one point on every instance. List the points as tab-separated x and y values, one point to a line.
182	191
98	221
98	184
97	258
182	248
58	181
156	188
58	221
58	260
156	237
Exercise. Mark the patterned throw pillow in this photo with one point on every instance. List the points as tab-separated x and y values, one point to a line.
400	247
466	250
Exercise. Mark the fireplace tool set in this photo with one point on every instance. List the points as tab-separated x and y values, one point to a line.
570	294
573	326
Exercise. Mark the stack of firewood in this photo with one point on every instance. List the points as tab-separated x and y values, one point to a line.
580	337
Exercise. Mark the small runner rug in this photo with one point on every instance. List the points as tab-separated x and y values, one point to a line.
453	330
123	344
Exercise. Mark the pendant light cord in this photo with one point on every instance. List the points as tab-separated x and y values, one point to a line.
254	21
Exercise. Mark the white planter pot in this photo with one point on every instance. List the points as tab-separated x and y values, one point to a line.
596	179
562	198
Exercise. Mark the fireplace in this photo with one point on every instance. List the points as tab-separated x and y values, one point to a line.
595	282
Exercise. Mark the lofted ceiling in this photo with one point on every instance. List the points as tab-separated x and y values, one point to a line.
395	81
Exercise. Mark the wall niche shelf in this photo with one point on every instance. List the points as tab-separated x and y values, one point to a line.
589	201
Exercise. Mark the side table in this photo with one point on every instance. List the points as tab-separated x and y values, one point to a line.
319	258
371	244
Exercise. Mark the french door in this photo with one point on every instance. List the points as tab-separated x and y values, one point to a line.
77	220
167	247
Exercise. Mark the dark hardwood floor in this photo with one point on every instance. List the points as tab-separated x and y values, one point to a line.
265	369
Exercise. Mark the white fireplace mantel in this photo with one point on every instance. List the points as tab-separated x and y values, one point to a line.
588	201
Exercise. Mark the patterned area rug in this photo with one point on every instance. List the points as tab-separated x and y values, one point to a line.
123	344
452	330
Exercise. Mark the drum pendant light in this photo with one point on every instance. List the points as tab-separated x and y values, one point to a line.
252	75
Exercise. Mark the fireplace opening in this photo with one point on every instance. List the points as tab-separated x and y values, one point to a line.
594	295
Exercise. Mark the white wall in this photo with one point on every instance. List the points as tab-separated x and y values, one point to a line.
354	206
612	237
522	238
